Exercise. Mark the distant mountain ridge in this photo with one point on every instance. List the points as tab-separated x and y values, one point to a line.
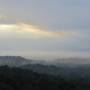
57	68
12	60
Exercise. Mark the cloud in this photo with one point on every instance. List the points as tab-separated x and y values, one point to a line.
3	17
33	31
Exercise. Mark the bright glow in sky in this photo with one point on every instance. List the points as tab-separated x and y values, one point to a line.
45	28
31	30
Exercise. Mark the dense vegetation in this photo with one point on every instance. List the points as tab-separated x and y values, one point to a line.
21	79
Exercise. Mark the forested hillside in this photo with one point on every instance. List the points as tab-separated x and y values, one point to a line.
22	79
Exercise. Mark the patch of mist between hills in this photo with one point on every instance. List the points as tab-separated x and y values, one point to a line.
72	61
66	61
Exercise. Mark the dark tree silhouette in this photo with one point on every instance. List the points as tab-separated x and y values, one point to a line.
22	79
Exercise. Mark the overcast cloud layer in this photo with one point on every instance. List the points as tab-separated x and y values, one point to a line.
45	28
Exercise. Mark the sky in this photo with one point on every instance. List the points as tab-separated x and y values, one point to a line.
45	29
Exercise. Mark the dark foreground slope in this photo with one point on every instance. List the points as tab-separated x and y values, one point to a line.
21	79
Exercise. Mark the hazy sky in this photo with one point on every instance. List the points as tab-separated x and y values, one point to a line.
45	28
